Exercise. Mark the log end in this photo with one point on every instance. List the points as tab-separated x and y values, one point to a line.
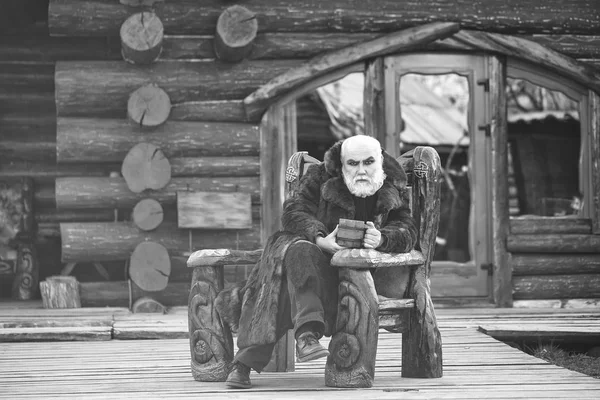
149	106
141	38
146	167
148	214
235	33
150	266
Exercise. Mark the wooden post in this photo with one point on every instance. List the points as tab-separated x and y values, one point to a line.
148	214
211	343
141	38
149	106
146	167
60	292
236	30
351	362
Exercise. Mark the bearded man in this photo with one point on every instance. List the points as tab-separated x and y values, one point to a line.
293	286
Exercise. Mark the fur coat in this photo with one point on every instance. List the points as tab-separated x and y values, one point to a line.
322	199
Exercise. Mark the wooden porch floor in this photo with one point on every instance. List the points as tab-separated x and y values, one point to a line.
476	366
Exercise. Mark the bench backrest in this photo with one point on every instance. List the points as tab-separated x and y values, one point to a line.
423	169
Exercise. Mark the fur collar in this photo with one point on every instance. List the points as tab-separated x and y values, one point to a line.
335	191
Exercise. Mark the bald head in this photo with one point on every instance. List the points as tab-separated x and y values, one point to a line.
360	145
362	165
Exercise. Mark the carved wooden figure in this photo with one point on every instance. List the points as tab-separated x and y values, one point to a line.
211	343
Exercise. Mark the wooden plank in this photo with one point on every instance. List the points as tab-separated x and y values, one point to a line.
95	192
563	304
556	286
101	88
502	273
106	241
543	225
258	101
85	140
211	210
546	264
553	243
70	17
63	333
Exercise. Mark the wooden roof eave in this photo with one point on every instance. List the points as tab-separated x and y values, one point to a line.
443	36
257	102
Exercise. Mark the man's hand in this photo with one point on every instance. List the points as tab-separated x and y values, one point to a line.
372	238
328	244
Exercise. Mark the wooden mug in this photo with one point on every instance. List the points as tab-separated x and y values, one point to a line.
351	233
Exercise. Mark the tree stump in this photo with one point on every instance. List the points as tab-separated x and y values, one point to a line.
148	214
60	292
146	167
141	38
150	266
236	30
149	106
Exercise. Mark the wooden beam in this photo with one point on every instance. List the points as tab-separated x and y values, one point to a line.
556	286
101	88
543	225
501	277
209	110
181	17
94	192
553	243
108	140
551	264
215	166
374	100
409	38
107	241
116	294
532	52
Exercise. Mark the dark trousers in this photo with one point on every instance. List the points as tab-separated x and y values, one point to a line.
301	299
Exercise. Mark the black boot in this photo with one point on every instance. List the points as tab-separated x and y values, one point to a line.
308	347
239	377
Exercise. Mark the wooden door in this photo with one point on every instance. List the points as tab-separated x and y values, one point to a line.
416	115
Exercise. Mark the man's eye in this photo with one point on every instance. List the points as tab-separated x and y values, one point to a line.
353	163
368	162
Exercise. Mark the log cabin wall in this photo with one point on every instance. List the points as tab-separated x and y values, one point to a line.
64	111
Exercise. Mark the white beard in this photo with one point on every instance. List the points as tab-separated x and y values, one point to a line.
365	189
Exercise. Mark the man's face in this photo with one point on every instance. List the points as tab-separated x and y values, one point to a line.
362	168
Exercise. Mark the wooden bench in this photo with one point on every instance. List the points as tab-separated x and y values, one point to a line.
361	312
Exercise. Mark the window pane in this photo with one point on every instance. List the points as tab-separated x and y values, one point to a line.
545	147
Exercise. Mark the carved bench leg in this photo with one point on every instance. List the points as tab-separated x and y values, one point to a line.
353	348
421	342
27	275
211	343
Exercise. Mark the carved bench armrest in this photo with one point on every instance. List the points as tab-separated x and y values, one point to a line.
220	257
369	258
